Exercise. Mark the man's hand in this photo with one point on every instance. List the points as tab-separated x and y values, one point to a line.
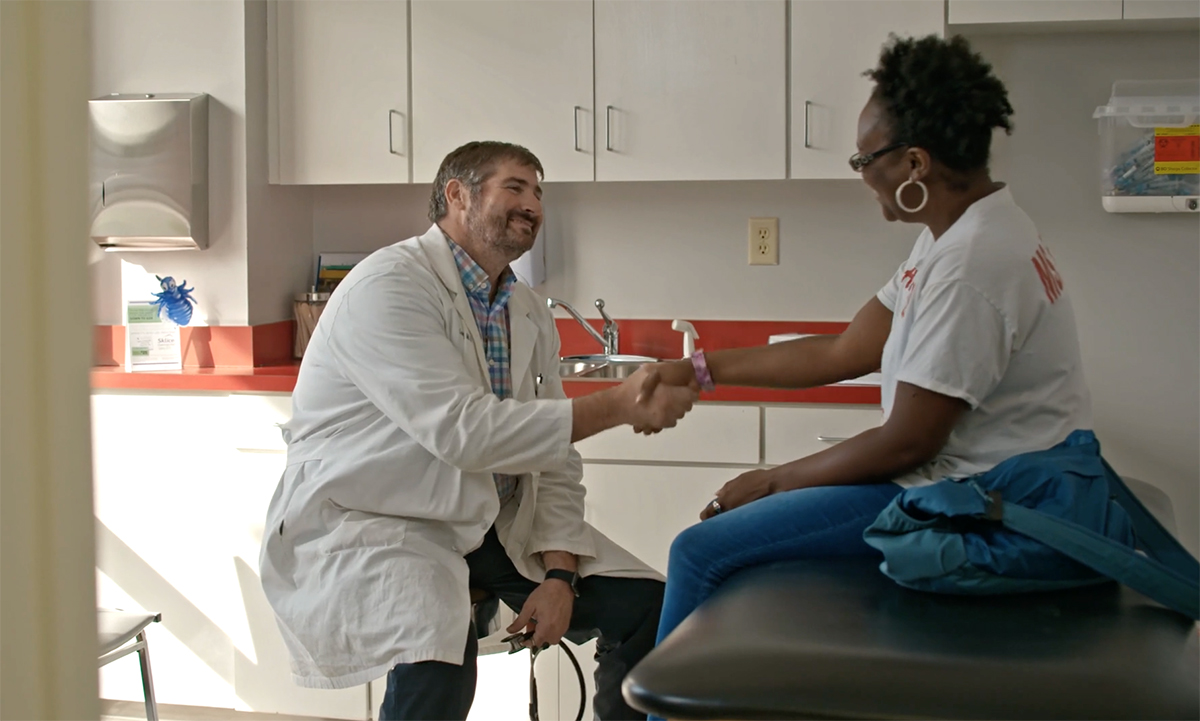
546	613
750	486
629	404
669	373
669	379
662	408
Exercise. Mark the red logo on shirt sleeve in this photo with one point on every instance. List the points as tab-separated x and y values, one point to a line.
1051	280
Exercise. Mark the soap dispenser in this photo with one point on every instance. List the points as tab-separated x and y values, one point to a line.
689	336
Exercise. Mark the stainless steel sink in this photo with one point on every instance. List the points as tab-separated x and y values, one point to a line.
571	368
601	367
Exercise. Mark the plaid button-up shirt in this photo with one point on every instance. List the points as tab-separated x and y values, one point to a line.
492	319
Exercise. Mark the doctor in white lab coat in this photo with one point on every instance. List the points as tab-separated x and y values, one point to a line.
429	452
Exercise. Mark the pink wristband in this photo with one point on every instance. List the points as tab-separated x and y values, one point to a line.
703	376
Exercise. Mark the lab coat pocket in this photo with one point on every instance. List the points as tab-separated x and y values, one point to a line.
350	529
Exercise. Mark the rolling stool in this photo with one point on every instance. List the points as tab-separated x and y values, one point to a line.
116	629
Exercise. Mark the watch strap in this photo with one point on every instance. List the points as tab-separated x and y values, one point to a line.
571	577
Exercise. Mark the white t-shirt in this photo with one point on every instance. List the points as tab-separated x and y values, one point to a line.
982	314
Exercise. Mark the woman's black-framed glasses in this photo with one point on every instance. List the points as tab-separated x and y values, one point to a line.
858	161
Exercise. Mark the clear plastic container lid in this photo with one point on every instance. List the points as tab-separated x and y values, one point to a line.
1153	103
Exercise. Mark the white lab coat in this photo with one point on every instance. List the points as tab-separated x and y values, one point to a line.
393	440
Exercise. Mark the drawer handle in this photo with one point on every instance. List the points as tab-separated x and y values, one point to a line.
831	439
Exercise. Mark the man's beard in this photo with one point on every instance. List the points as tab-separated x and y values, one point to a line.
494	232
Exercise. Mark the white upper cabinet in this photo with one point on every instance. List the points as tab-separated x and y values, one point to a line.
967	12
1162	9
519	71
339	91
689	90
832	44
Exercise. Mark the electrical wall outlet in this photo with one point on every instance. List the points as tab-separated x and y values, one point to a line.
764	241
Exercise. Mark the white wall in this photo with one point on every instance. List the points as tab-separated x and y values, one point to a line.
654	250
182	46
279	218
667	250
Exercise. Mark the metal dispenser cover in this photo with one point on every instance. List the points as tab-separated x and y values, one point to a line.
149	171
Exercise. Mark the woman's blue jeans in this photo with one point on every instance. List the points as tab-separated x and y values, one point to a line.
822	522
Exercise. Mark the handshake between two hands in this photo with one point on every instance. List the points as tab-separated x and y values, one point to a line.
662	394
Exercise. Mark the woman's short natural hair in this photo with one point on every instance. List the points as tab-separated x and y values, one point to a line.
472	164
941	96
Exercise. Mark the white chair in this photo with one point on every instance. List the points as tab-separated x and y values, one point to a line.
116	629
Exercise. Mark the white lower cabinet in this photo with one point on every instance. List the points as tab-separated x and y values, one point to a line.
182	484
710	433
794	432
642	508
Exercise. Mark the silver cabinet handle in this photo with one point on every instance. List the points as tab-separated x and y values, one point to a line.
391	142
608	128
575	117
831	439
807	108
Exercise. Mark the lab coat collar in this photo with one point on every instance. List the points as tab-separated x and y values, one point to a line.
521	327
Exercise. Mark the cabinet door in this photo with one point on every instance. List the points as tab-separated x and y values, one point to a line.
832	44
339	91
690	90
966	12
708	434
643	507
1160	9
791	433
513	70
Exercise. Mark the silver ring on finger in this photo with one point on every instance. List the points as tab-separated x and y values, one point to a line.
715	505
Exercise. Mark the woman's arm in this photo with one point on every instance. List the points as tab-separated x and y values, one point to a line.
801	363
919	426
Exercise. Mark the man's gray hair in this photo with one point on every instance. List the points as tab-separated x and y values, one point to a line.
472	164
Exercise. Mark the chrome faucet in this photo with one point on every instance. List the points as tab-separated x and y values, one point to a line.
611	338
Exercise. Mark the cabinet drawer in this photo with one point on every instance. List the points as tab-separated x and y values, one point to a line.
709	434
643	508
793	433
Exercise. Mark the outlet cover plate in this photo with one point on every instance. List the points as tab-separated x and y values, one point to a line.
764	241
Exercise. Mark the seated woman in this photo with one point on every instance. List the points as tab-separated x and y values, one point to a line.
975	336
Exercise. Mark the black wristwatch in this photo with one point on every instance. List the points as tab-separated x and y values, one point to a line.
570	577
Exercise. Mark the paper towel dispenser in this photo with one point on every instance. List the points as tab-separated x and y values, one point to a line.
149	171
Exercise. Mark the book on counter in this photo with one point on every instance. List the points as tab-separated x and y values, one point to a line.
332	267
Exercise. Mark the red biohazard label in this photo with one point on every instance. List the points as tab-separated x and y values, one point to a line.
1178	149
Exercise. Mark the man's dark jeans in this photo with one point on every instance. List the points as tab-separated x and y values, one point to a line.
621	613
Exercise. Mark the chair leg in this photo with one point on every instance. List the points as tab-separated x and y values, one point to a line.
147	679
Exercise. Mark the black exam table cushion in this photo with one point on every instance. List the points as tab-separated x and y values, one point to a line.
837	639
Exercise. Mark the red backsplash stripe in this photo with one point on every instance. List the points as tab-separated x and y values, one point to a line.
271	344
209	346
655	337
